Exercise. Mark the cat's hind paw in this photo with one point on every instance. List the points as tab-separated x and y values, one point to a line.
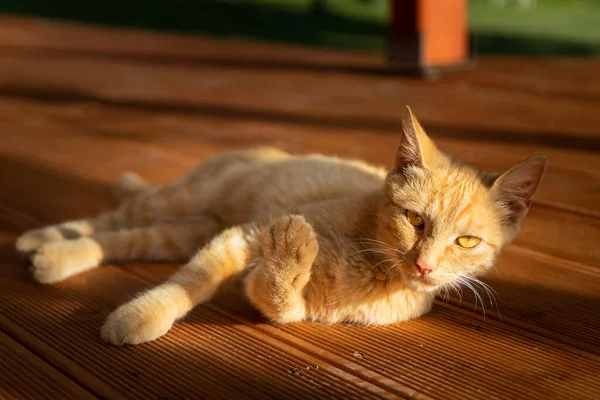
31	241
56	261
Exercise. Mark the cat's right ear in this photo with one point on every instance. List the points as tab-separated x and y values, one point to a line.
415	147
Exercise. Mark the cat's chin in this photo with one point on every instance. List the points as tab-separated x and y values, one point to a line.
423	284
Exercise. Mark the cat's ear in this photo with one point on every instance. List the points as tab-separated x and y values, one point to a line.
515	188
415	147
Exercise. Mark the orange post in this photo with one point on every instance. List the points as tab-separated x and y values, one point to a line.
428	34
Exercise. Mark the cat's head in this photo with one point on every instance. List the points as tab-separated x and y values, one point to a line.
446	220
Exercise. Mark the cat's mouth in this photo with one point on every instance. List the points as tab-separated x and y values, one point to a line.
427	282
424	283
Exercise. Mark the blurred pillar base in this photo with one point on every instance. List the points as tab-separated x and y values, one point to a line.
428	36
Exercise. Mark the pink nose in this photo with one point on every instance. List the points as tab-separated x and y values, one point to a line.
424	268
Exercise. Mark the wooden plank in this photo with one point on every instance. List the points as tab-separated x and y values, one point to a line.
445	340
497	114
181	127
20	367
53	38
565	235
542	77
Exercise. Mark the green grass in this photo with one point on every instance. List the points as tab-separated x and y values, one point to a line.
555	27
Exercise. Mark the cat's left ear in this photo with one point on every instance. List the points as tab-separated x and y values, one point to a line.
415	147
516	187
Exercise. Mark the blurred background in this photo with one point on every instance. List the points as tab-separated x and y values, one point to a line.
526	27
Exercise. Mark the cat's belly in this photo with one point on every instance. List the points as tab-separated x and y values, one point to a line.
377	310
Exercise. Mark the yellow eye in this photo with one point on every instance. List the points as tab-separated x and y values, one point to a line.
414	219
468	242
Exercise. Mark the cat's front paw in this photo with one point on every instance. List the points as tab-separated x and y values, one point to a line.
56	261
291	237
138	321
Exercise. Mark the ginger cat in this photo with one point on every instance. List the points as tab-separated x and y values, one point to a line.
310	237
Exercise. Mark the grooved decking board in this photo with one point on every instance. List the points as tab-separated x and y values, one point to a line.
558	300
524	116
450	355
24	375
80	104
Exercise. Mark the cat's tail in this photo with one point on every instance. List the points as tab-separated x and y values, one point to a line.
128	185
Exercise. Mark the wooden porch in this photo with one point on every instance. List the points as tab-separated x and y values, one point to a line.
79	104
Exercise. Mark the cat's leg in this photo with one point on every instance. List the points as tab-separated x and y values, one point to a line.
147	205
144	204
289	247
31	241
153	313
127	186
57	260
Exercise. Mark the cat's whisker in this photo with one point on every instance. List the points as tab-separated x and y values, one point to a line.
476	282
472	278
496	270
397	269
367	251
379	263
394	268
475	292
374	250
378	242
385	249
443	292
369	240
446	294
457	289
491	292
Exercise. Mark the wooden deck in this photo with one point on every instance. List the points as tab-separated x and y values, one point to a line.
78	105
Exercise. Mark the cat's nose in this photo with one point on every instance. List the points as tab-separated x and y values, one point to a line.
423	267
